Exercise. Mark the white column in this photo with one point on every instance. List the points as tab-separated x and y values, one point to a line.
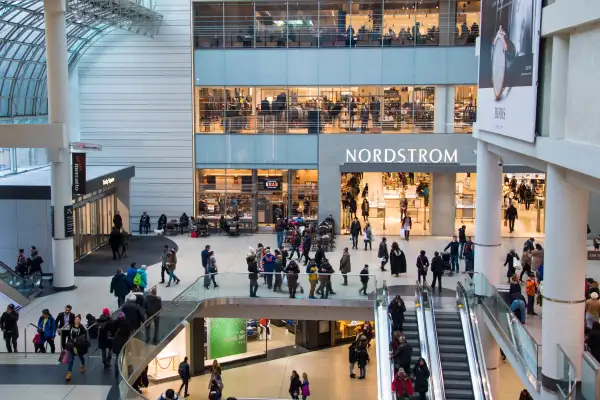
443	203
565	259
488	257
75	127
558	85
450	95
58	112
439	116
447	20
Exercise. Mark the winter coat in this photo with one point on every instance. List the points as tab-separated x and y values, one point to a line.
295	386
422	264
364	275
269	263
510	262
397	262
252	268
421	375
49	330
131	273
319	255
152	304
537	259
104	334
383	250
8	323
526	260
204	256
306	245
355	228
120	332
362	357
144	277
402	387
437	265
134	314
35	264
365	208
462	236
454	247
171	260
78	337
368	234
405	354
119	285
352	353
397	310
345	266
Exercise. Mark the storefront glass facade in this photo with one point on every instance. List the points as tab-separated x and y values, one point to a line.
335	23
258	195
328	110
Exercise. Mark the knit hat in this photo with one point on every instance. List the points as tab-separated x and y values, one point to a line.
105	311
594	295
143	267
131	297
120	315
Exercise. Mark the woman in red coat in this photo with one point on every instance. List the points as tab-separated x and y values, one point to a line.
402	385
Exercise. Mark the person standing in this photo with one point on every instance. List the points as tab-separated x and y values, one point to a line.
592	309
171	261
368	236
422	265
362	358
64	321
352	358
152	306
46	327
204	255
305	386
325	272
364	279
292	271
114	239
397	260
462	239
268	262
383	253
163	267
437	269
104	337
319	255
10	328
469	256
252	273
396	311
421	376
144	223
364	208
345	266
510	262
355	230
407	226
530	289
313	278
184	374
212	270
78	345
35	264
511	215
454	251
119	287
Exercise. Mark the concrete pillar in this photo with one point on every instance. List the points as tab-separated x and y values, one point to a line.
443	203
74	109
594	215
450	95
58	113
559	84
447	22
255	198
488	258
439	115
564	271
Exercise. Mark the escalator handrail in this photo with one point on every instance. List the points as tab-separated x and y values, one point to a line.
433	330
385	388
481	370
423	340
9	269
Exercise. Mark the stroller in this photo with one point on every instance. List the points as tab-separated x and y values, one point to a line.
446	261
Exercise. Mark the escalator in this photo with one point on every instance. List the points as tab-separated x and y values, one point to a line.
16	289
453	356
410	330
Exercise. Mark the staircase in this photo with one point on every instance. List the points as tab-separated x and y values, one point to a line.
410	330
453	355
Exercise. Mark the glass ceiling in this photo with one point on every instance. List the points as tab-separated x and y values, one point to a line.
22	44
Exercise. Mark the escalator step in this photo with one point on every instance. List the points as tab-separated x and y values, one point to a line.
456	374
452	348
449	331
447	316
463	384
455	366
453	357
451	340
458	394
448	324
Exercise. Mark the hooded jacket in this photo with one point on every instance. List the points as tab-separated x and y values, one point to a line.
345	265
134	314
104	323
119	285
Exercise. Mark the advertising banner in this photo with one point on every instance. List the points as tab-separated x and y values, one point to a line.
226	337
508	65
79	169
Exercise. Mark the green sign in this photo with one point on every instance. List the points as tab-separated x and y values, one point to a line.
226	337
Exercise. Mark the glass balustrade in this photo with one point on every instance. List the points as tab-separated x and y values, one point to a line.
140	348
567	377
25	285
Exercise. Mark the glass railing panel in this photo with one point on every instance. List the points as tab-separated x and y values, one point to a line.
383	335
567	376
590	377
504	320
173	316
26	285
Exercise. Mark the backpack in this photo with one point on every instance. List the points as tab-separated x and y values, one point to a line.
137	279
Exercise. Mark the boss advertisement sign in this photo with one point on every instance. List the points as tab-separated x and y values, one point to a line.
508	64
79	169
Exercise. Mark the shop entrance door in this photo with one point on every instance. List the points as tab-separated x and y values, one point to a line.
270	205
93	223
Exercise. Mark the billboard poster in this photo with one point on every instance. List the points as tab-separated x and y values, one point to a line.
79	179
508	65
226	337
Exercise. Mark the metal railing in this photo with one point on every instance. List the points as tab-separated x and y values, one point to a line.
383	332
423	339
432	339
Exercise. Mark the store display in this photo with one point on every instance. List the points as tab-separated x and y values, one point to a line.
226	337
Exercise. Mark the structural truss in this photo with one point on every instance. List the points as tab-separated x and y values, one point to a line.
23	91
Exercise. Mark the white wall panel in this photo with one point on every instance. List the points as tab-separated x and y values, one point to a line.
136	100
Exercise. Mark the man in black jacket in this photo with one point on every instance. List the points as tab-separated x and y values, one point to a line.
454	247
396	311
133	312
64	322
319	255
306	245
252	273
437	268
510	215
405	354
184	374
462	239
355	230
10	328
152	306
469	255
364	279
383	253
119	287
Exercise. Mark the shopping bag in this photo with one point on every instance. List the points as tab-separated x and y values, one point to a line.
402	233
64	357
505	222
285	281
305	391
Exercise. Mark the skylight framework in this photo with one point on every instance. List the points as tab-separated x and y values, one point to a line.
23	91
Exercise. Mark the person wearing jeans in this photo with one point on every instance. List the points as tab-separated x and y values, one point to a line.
252	273
454	247
518	303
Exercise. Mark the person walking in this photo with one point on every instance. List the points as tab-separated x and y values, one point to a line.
422	265
454	247
355	230
306	245
171	262
407	226
313	278
325	272
105	337
212	270
396	311
296	242
511	215
252	272
163	267
345	266
368	236
114	239
469	256
364	208
437	269
383	253
10	328
292	270
305	390
364	279
397	260
510	263
462	239
184	374
119	287
295	385
78	345
46	327
204	256
134	312
421	375
152	307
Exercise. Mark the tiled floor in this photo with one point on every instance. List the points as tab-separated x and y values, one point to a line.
54	392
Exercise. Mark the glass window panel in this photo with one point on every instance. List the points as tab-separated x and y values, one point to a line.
209	110
208	25
423	108
239	110
467	21
302	24
427	23
367	18
334	16
398	23
273	115
465	108
271	29
397	109
239	24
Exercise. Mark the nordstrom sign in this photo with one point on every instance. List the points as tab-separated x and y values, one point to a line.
421	156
